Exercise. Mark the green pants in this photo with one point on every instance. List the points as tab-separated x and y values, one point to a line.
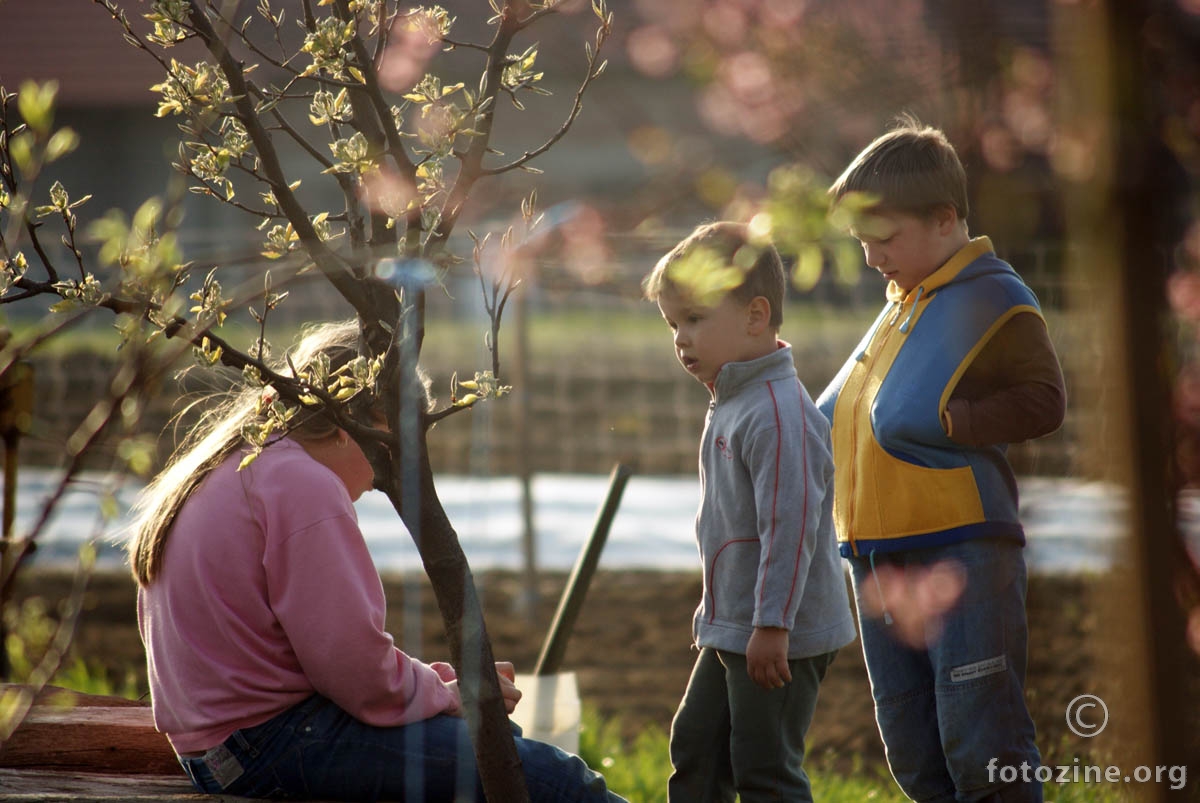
731	737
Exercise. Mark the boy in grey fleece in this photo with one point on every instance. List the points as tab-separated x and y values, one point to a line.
774	608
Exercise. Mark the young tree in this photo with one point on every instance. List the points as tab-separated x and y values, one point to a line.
348	84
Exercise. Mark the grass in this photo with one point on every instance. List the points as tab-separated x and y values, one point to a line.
554	332
638	770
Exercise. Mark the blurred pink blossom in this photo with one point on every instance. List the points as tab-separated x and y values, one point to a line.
1028	118
726	24
748	99
572	7
409	50
748	76
1032	70
387	191
1191	245
783	13
437	123
652	51
676	15
998	148
916	599
1183	292
1073	152
585	252
1187	396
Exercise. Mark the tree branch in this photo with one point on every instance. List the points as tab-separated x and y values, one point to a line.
472	161
383	110
576	107
468	45
286	126
535	16
326	261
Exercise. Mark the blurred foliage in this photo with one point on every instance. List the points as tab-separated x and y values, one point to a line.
636	769
30	640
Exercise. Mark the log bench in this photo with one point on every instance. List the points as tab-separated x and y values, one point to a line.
81	748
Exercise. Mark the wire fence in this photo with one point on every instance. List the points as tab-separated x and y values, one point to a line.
597	383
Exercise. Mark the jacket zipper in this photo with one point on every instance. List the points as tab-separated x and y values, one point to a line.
854	429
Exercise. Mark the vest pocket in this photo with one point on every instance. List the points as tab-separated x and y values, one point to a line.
907	499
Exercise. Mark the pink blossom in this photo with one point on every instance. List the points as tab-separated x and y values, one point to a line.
916	599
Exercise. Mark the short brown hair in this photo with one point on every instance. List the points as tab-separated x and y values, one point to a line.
912	169
740	264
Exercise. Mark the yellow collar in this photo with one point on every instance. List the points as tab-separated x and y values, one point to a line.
947	272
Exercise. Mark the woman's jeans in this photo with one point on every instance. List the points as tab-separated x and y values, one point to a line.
317	751
950	710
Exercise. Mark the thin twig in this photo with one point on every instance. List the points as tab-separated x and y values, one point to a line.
339	276
576	108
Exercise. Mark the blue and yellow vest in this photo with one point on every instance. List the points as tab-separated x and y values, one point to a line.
900	482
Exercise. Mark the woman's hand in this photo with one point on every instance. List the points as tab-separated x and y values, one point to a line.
507	675
508	685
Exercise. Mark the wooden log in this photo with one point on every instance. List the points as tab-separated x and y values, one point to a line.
86	748
89	733
91	739
55	786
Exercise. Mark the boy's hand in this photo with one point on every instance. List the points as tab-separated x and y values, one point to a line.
766	657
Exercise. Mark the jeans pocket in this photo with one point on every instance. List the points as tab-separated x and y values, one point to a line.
309	717
269	752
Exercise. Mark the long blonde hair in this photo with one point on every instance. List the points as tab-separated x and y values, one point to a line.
216	435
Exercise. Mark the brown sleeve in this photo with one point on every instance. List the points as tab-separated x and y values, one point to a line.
1013	390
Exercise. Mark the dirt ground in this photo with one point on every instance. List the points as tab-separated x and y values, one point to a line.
631	647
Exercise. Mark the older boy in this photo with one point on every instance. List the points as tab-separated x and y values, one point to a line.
774	608
956	366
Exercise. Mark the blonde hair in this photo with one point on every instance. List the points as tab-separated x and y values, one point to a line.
756	268
217	434
912	169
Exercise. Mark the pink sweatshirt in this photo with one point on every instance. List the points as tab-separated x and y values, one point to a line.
267	594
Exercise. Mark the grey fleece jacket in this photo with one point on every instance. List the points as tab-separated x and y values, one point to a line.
765	526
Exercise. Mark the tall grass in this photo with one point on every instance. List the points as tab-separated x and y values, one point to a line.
638	771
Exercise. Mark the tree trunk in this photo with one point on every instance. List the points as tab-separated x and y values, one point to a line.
462	615
1148	198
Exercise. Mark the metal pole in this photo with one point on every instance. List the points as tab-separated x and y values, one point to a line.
555	646
523	454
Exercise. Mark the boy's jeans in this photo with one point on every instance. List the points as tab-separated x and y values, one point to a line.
945	712
317	751
732	737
